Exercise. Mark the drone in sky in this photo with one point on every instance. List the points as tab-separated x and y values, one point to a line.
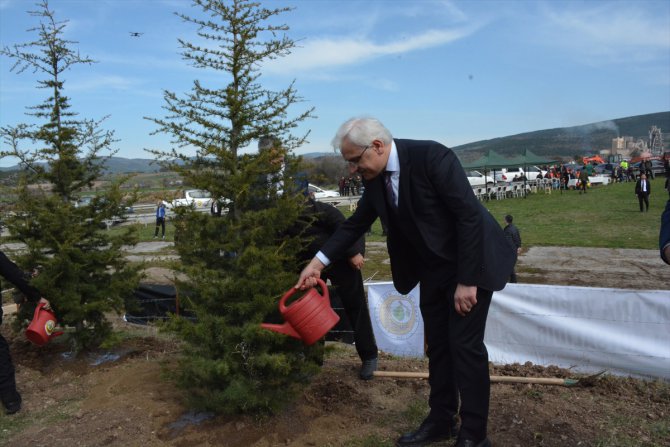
135	34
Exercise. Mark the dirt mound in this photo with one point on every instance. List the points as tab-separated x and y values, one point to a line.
120	398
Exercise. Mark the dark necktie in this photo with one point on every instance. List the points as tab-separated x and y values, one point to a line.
390	195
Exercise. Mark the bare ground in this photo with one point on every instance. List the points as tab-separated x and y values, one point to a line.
126	402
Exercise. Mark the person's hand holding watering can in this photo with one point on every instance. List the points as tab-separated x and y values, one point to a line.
47	304
310	274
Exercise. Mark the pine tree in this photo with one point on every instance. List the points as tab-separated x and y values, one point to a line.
239	264
83	270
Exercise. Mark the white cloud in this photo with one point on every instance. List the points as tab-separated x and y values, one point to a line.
109	82
609	31
322	53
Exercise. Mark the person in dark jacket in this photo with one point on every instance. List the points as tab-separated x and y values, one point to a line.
439	235
345	276
11	399
514	239
160	219
316	224
664	234
643	191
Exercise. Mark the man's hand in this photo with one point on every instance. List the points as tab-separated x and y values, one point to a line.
357	261
309	274
465	299
47	304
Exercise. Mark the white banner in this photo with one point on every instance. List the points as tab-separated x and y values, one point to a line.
625	332
396	320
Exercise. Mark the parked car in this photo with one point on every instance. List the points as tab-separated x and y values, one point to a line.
603	169
508	174
197	198
657	167
476	178
532	171
87	200
322	193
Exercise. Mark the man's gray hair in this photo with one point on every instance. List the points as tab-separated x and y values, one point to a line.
361	131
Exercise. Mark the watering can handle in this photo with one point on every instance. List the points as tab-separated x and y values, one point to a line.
38	308
291	291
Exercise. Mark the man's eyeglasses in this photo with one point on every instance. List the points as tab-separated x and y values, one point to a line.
356	160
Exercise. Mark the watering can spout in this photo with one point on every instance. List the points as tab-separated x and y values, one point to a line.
285	329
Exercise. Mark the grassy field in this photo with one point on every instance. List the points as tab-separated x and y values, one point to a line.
607	216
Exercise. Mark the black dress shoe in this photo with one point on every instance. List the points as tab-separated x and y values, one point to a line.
11	401
470	443
368	368
428	432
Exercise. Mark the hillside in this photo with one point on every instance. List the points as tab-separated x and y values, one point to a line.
569	141
560	142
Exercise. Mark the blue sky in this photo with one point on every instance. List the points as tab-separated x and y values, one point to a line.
451	71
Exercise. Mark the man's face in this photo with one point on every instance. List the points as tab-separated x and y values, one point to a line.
368	161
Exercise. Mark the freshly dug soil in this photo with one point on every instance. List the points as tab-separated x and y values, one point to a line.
119	398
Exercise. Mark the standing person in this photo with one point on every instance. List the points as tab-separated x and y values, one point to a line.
664	235
514	239
345	276
160	219
643	190
666	165
11	399
647	168
316	224
583	179
441	236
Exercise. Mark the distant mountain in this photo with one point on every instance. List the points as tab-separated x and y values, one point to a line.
118	165
564	142
312	155
570	141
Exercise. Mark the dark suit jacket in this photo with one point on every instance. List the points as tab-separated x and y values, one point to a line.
451	226
638	187
664	235
318	222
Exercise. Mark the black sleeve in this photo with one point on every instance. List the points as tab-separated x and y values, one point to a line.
333	218
14	274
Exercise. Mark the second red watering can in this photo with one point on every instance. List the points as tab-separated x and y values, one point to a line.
41	328
308	318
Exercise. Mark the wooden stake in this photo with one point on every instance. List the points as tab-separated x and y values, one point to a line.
494	379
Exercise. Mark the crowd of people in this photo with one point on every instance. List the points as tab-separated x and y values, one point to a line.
350	186
561	174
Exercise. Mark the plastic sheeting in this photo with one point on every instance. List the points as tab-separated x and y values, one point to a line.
626	332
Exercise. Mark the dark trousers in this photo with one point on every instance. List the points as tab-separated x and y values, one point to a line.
644	200
160	222
348	283
512	277
457	358
7	380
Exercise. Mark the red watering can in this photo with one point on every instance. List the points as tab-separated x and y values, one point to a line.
41	329
308	318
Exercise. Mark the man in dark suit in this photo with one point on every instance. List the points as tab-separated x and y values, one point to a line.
643	190
319	221
664	235
514	238
441	236
10	397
